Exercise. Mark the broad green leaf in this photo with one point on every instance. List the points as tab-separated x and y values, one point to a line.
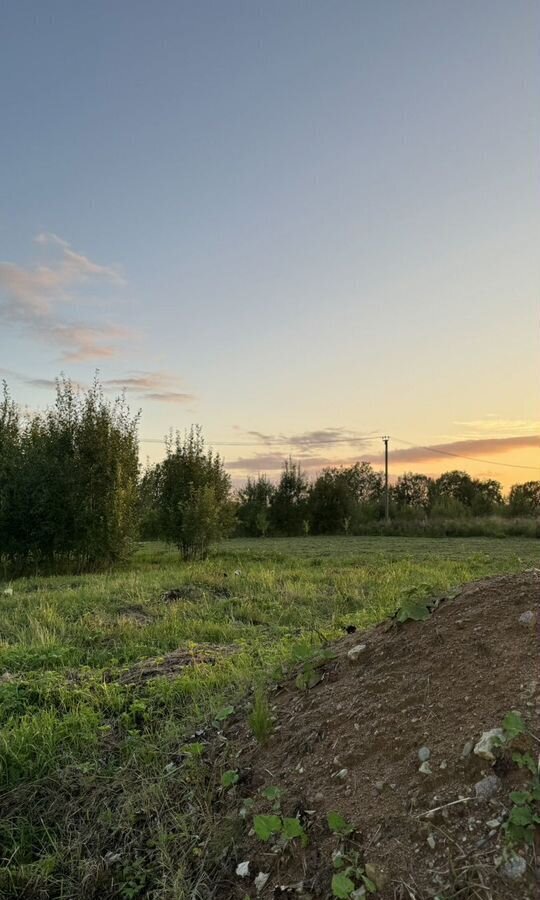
224	713
266	826
342	886
521	815
520	797
370	885
272	793
292	828
338	824
513	725
195	749
229	778
416	611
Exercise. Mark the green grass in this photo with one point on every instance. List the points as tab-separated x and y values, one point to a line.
97	798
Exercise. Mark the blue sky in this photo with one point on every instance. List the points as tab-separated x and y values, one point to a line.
294	223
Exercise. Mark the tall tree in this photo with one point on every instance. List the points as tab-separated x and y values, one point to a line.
289	509
254	502
193	491
524	499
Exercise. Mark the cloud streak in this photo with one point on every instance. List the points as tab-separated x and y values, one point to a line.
308	440
473	449
31	297
161	387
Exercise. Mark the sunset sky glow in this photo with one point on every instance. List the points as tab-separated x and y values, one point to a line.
300	225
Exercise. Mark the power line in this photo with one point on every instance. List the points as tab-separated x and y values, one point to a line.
274	442
303	443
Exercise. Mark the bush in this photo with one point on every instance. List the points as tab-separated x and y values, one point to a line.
68	481
193	495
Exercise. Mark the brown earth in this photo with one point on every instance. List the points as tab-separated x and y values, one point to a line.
350	744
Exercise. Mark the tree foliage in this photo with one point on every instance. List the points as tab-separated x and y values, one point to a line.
524	499
192	495
289	508
254	505
68	480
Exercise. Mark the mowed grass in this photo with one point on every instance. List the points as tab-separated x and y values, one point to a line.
97	798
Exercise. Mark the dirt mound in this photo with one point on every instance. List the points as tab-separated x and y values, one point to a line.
384	737
173	664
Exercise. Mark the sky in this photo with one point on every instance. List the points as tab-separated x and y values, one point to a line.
302	225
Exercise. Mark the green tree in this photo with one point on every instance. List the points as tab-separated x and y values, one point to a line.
193	495
10	453
412	491
73	481
488	498
289	509
524	499
254	502
453	492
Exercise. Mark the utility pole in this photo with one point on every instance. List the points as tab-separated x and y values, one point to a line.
386	487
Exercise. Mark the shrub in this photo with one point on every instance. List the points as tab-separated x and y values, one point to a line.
68	481
193	495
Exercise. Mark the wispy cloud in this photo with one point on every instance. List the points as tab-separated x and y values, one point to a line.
310	440
272	462
33	300
447	454
159	386
496	426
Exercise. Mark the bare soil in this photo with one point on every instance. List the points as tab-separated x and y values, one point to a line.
350	744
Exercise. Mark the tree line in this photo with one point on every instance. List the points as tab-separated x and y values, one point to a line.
72	492
345	499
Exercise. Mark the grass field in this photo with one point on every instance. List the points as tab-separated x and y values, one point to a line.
95	801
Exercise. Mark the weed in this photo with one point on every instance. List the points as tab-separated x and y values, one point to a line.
91	767
260	718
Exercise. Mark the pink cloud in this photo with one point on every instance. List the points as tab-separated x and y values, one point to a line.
32	295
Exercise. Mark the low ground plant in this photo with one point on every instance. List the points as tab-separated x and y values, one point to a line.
104	775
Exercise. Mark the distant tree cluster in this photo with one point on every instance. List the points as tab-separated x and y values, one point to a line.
71	492
68	481
344	500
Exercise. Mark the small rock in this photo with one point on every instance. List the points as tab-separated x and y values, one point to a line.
487	787
443	765
297	888
527	618
488	741
425	769
342	774
359	893
493	823
379	786
319	797
431	841
423	754
355	652
514	868
242	869
261	880
467	749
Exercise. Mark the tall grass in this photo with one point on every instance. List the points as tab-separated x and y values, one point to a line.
98	800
